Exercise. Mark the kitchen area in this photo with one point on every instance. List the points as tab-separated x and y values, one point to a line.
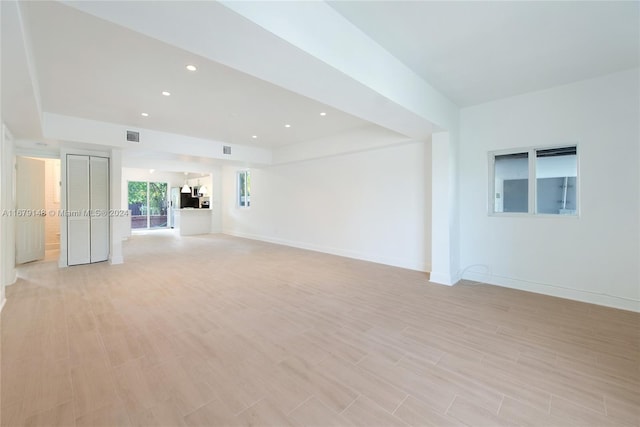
190	208
181	201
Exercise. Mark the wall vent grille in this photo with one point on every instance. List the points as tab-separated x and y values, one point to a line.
226	149
133	136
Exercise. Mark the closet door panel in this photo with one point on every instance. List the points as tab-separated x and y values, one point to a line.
99	196
78	204
78	242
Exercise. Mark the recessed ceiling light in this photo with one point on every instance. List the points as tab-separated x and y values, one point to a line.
191	67
165	93
287	126
255	137
144	114
323	114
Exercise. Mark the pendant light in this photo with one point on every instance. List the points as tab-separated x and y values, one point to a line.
185	187
202	190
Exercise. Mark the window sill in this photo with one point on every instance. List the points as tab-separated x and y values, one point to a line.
529	215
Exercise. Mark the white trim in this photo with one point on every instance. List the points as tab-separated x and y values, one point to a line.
4	301
532	200
528	215
556	291
491	179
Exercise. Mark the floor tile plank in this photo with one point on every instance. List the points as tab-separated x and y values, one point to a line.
269	334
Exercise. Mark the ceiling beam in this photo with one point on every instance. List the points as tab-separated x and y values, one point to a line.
21	102
319	30
392	97
103	135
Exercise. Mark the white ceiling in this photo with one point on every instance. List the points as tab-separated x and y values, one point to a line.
472	52
478	51
93	69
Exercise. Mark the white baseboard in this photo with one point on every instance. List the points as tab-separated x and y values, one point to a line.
395	262
556	291
443	278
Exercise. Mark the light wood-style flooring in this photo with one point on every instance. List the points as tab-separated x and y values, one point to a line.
216	330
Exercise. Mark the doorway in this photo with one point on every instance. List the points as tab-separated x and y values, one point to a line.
148	203
37	209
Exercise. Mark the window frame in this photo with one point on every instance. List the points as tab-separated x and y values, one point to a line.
246	173
532	199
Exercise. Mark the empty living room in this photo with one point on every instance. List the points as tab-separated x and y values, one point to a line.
319	213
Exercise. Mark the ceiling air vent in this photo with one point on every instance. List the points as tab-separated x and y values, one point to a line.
226	149
133	136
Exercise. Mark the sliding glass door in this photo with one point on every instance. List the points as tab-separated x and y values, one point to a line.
158	205
148	204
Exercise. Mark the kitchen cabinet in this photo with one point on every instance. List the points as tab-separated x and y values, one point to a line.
191	222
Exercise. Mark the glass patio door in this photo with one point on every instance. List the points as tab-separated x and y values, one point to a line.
148	204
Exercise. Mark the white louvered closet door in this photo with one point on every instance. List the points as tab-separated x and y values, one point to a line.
87	209
78	205
99	195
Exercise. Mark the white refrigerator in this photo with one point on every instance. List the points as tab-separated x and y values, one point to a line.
174	205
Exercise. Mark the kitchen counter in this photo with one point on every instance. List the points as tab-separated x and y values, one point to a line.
191	222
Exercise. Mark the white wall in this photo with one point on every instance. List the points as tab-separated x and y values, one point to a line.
52	203
591	258
372	205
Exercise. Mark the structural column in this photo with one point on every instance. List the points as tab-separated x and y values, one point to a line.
118	223
444	242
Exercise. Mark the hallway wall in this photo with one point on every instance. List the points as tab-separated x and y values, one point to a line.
52	203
